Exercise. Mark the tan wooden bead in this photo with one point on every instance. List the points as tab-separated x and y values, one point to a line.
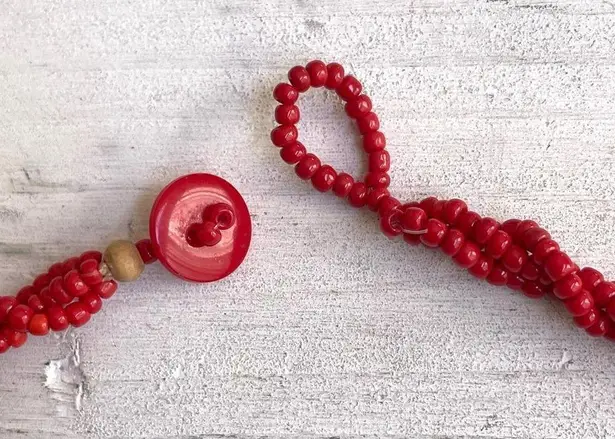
124	261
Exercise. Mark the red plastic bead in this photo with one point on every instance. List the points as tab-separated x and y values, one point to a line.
603	293
452	242
514	259
514	281
465	222
412	239
533	290
39	325
358	194
349	88
359	107
57	318
55	270
343	185
221	214
284	135
600	326
73	284
591	278
523	227
374	141
77	314
24	294
484	229
530	271
318	73
379	161
146	251
498	276
532	237
204	234
375	197
324	178
287	114
587	320
452	209
70	264
19	317
4	344
390	223
92	302
36	303
580	304
568	287
335	76
292	153
40	282
6	304
307	166
16	339
377	180
557	265
543	249
285	93
414	219
90	273
387	205
46	298
368	123
483	266
510	226
92	254
437	209
434	235
427	204
468	255
299	78
57	291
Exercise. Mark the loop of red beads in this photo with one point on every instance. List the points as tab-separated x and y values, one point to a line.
518	254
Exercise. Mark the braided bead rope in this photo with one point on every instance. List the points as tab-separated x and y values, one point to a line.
518	254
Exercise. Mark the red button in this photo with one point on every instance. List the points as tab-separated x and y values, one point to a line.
200	228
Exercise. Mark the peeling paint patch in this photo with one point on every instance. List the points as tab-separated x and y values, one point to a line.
66	381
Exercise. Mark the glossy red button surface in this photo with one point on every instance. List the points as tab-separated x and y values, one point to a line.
185	205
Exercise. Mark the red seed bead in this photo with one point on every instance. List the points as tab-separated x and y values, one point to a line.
452	242
287	114
285	93
307	166
92	302
468	255
349	88
357	195
530	271
74	284
533	290
77	314
427	204
284	135
452	209
40	282
483	267
434	235
437	210
414	219
603	293
523	227
6	304
387	205
465	222
39	325
335	76
57	318
36	303
91	254
16	339
390	223
318	73
532	237
55	270
19	317
510	226
368	123
514	259
324	178
581	304
514	281
412	239
600	327
90	273
299	78
343	184
558	265
587	320
484	229
4	344
498	276
374	141
591	278
46	298
379	161
543	249
58	292
292	153
24	294
359	107
377	180
70	264
146	251
375	197
106	289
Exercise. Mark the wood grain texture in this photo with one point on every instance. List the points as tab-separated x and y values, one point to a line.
328	329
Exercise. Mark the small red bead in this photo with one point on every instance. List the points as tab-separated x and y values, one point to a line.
73	284
92	302
390	223
91	254
299	78
533	290
343	184
484	229
24	294
36	303
55	270
603	293
19	317
437	209
285	93
587	320
335	76
307	166
375	197
318	73
514	259
600	326
70	264
523	227
374	141
591	278
284	135
414	219
90	273
287	114
359	107
377	180
465	222
57	318
557	265
146	251
6	304
39	325
379	161
483	267
452	209
427	204
4	344
46	298
77	314
514	281
57	292
387	205
510	226
434	235
468	255
498	276
452	242
368	123
543	249
412	239
530	271
40	282
349	88
532	237
358	194
292	153
16	339
204	234
581	304
324	178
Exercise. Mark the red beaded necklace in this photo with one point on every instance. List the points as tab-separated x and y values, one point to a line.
200	230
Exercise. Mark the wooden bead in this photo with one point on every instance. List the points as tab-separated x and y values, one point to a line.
124	261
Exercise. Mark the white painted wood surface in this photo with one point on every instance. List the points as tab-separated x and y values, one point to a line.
327	329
